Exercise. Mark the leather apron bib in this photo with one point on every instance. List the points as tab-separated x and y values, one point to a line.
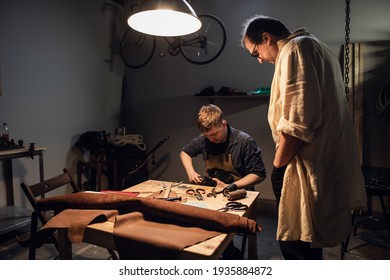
221	162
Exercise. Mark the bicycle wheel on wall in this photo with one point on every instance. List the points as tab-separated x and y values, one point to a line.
137	48
205	45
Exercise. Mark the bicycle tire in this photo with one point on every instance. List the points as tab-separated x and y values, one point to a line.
136	48
205	45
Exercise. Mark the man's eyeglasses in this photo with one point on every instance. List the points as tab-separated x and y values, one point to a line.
254	52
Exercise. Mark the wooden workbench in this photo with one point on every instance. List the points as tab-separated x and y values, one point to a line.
101	234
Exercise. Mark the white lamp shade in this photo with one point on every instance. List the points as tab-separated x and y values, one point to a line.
165	18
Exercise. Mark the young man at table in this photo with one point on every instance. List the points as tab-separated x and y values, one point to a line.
232	158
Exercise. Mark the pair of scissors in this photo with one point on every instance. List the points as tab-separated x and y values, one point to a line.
196	192
233	206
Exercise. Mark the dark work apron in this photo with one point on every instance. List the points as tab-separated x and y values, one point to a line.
224	163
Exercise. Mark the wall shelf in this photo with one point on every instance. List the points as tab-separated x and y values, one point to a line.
248	97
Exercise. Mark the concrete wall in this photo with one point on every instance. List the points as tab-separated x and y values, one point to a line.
160	95
57	81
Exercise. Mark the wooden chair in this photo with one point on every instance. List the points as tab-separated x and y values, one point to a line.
377	182
38	191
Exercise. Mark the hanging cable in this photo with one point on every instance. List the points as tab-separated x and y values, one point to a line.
346	47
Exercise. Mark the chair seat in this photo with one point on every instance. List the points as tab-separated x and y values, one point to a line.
378	190
370	222
377	238
377	183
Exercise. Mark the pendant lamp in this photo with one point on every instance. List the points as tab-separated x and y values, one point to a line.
165	18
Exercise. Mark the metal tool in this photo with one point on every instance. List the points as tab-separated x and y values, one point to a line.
176	184
196	192
214	193
165	193
31	150
233	206
182	199
167	188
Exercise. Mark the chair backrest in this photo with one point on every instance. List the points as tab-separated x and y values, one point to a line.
39	190
376	176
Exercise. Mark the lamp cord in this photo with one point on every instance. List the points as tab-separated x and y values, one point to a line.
347	40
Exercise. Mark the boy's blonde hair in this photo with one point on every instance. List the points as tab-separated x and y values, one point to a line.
209	116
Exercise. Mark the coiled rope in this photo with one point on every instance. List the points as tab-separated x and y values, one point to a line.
130	139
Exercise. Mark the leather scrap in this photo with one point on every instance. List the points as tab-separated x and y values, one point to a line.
75	220
145	228
224	222
144	236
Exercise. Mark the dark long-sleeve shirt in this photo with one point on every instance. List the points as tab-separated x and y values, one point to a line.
246	155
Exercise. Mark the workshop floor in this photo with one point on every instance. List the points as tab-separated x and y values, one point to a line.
268	248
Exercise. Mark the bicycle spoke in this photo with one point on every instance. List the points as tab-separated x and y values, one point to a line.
207	44
136	48
140	41
207	28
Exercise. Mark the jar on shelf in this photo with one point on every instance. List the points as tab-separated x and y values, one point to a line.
5	132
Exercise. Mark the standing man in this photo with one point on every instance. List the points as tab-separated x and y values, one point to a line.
317	177
231	156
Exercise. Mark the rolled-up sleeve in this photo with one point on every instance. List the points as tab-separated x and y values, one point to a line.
301	102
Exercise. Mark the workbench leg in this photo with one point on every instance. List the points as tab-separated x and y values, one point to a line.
252	238
41	171
99	177
9	181
252	247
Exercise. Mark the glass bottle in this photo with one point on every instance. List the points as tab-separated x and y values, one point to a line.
5	132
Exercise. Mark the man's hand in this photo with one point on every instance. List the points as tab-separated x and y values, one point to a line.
194	177
287	149
220	185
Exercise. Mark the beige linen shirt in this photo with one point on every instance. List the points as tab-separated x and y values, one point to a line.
324	181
